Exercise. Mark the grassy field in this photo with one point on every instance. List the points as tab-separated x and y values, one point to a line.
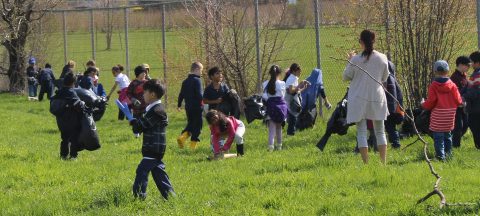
299	180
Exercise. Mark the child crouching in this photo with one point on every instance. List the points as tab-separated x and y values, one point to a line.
222	126
153	126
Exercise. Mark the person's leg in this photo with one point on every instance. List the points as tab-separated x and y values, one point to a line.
196	125
42	92
49	91
291	120
121	116
439	143
379	127
140	184
30	90
272	129
393	135
474	124
74	145
278	133
448	144
362	139
64	145
239	138
161	179
457	132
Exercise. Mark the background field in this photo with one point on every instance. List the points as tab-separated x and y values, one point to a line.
297	181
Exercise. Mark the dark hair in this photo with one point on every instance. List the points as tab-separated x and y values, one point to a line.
463	60
155	86
90	63
274	72
69	79
475	57
368	39
47	65
294	67
139	70
118	68
213	71
195	66
222	119
90	70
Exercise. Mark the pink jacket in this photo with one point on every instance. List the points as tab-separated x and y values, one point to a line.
232	126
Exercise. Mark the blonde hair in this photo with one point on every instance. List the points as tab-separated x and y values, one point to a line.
71	63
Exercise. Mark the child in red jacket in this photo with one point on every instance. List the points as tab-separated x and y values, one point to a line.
230	128
443	100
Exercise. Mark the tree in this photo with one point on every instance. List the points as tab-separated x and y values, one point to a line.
17	18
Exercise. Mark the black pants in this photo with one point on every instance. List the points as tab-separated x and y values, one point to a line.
159	176
393	135
69	134
292	121
461	127
474	124
194	123
45	88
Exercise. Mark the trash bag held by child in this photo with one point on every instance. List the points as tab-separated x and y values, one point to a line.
254	108
88	138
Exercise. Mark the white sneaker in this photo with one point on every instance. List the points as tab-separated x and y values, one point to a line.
270	148
278	147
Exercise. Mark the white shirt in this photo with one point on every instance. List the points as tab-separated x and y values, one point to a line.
122	80
292	81
280	88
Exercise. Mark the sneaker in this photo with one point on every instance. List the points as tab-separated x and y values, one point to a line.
63	158
271	148
278	148
73	158
328	105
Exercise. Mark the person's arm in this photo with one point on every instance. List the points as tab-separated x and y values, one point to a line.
52	75
112	90
181	96
349	72
207	97
198	90
157	117
215	139
458	97
231	134
431	101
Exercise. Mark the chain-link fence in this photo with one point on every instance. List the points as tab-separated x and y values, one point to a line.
170	36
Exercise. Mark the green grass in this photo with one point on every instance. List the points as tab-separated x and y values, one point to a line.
296	181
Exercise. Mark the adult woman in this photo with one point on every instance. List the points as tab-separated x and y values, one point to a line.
366	97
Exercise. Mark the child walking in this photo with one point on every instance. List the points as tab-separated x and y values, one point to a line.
122	81
192	93
294	89
443	100
274	93
459	77
472	96
135	91
222	126
46	79
153	126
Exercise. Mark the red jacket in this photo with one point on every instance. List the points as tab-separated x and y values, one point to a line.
232	126
443	100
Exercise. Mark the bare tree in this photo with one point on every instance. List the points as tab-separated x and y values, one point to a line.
229	39
17	18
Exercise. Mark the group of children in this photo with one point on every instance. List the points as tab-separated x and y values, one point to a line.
37	76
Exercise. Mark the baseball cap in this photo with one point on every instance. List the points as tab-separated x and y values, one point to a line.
441	66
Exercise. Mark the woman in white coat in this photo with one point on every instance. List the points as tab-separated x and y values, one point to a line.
366	98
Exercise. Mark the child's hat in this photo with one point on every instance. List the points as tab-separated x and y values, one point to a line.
32	60
146	66
441	66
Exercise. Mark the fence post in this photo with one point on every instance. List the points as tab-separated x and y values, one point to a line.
317	42
257	47
127	60
387	30
65	37
478	23
92	34
164	50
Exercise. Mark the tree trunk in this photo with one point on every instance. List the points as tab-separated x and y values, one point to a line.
16	69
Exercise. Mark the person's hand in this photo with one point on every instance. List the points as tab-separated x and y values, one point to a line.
136	102
179	109
351	54
219	101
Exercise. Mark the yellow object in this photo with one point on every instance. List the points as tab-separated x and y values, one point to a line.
193	145
182	138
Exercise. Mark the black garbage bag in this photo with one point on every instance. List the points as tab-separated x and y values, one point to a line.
337	124
407	129
87	96
99	109
230	105
254	108
423	122
88	138
306	119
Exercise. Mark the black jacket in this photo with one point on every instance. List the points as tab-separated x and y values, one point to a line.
192	93
153	126
73	108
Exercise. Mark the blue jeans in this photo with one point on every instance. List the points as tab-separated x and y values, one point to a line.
159	176
32	90
291	120
443	144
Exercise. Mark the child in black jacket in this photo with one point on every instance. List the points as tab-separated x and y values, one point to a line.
192	92
68	115
152	124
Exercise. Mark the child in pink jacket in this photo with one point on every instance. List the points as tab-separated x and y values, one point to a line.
221	127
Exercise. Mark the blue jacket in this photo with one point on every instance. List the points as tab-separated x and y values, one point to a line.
192	93
393	88
309	95
46	76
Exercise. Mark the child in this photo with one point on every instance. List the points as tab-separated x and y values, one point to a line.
214	93
472	96
135	91
32	73
122	81
46	79
68	120
86	81
223	126
443	100
396	115
459	77
274	93
293	89
153	126
192	93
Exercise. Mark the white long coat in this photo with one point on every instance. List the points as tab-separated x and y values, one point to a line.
366	98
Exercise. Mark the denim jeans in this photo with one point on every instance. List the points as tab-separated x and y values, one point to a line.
443	144
32	90
291	120
392	132
159	176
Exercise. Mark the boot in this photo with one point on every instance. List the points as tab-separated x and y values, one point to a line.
182	138
240	150
193	145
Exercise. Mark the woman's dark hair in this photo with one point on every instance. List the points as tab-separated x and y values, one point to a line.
118	68
47	65
69	79
139	70
274	72
222	119
475	57
294	67
155	86
90	70
213	71
368	39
